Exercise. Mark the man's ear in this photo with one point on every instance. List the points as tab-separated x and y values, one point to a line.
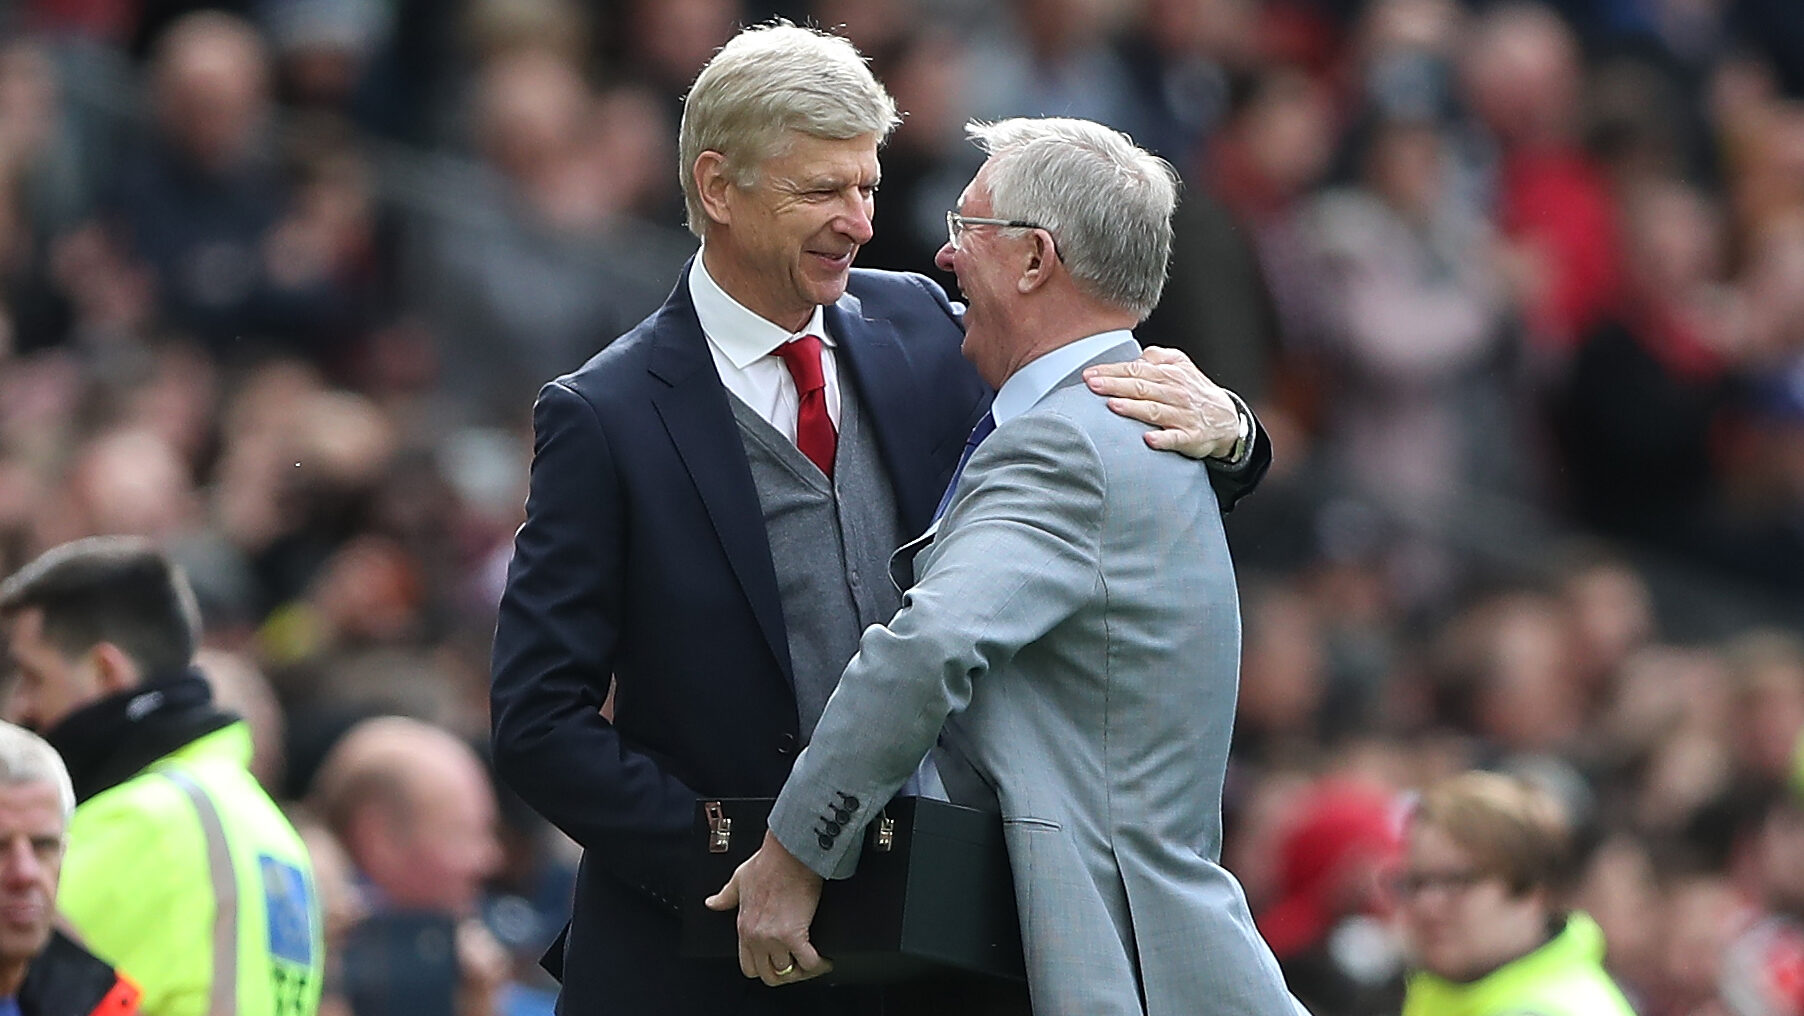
369	839
1041	258
114	670
712	181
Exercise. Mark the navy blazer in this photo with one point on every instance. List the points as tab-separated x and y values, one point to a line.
644	560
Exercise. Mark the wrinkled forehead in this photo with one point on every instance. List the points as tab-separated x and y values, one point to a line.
31	807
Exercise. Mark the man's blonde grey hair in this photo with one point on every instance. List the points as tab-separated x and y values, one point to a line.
1106	202
766	82
26	758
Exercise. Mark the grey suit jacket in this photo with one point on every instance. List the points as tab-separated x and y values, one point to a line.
1074	627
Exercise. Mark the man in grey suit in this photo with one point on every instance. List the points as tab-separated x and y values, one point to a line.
1073	625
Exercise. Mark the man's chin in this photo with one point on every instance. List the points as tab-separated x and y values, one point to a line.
827	291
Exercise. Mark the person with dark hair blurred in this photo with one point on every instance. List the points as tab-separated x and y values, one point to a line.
1642	404
180	868
1759	971
1486	858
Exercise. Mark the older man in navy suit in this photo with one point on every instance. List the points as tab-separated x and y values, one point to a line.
714	498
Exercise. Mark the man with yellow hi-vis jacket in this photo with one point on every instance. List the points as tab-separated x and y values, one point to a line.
180	869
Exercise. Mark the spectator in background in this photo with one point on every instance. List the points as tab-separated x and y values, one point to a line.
665	43
1180	56
1644	397
1337	848
1523	79
1486	859
1221	315
1276	144
41	183
323	49
43	972
1052	58
1761	966
529	271
1760	455
415	811
196	203
1508	675
181	870
926	162
1412	326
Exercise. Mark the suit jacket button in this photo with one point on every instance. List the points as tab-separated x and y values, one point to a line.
849	801
825	841
786	744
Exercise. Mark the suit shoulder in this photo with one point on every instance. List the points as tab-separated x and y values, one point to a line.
627	352
619	371
1090	413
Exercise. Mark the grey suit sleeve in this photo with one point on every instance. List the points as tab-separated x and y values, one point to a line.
1015	555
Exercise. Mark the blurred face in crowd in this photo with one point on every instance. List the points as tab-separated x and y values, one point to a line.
1460	922
783	244
1406	167
211	80
446	846
1781	852
31	859
46	685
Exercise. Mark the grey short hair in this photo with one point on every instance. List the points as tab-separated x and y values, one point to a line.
1106	202
26	758
765	82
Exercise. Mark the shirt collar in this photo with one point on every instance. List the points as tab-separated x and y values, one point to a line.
735	329
1040	375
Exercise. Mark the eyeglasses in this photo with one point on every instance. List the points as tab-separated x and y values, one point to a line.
956	225
1410	884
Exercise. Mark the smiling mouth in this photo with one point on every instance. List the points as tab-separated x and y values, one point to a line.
835	259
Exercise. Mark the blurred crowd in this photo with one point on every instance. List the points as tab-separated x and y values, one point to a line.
1516	287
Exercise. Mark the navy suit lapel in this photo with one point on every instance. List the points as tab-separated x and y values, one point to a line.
887	390
699	420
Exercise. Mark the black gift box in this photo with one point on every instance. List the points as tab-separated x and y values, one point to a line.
932	893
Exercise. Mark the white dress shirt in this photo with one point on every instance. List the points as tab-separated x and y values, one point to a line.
744	345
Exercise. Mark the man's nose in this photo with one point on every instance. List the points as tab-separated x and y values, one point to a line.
18	862
856	223
944	257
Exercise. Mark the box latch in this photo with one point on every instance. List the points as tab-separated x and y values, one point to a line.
720	828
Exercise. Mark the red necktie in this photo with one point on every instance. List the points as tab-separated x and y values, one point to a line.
814	428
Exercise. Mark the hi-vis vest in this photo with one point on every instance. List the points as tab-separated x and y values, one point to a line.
1565	977
189	879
